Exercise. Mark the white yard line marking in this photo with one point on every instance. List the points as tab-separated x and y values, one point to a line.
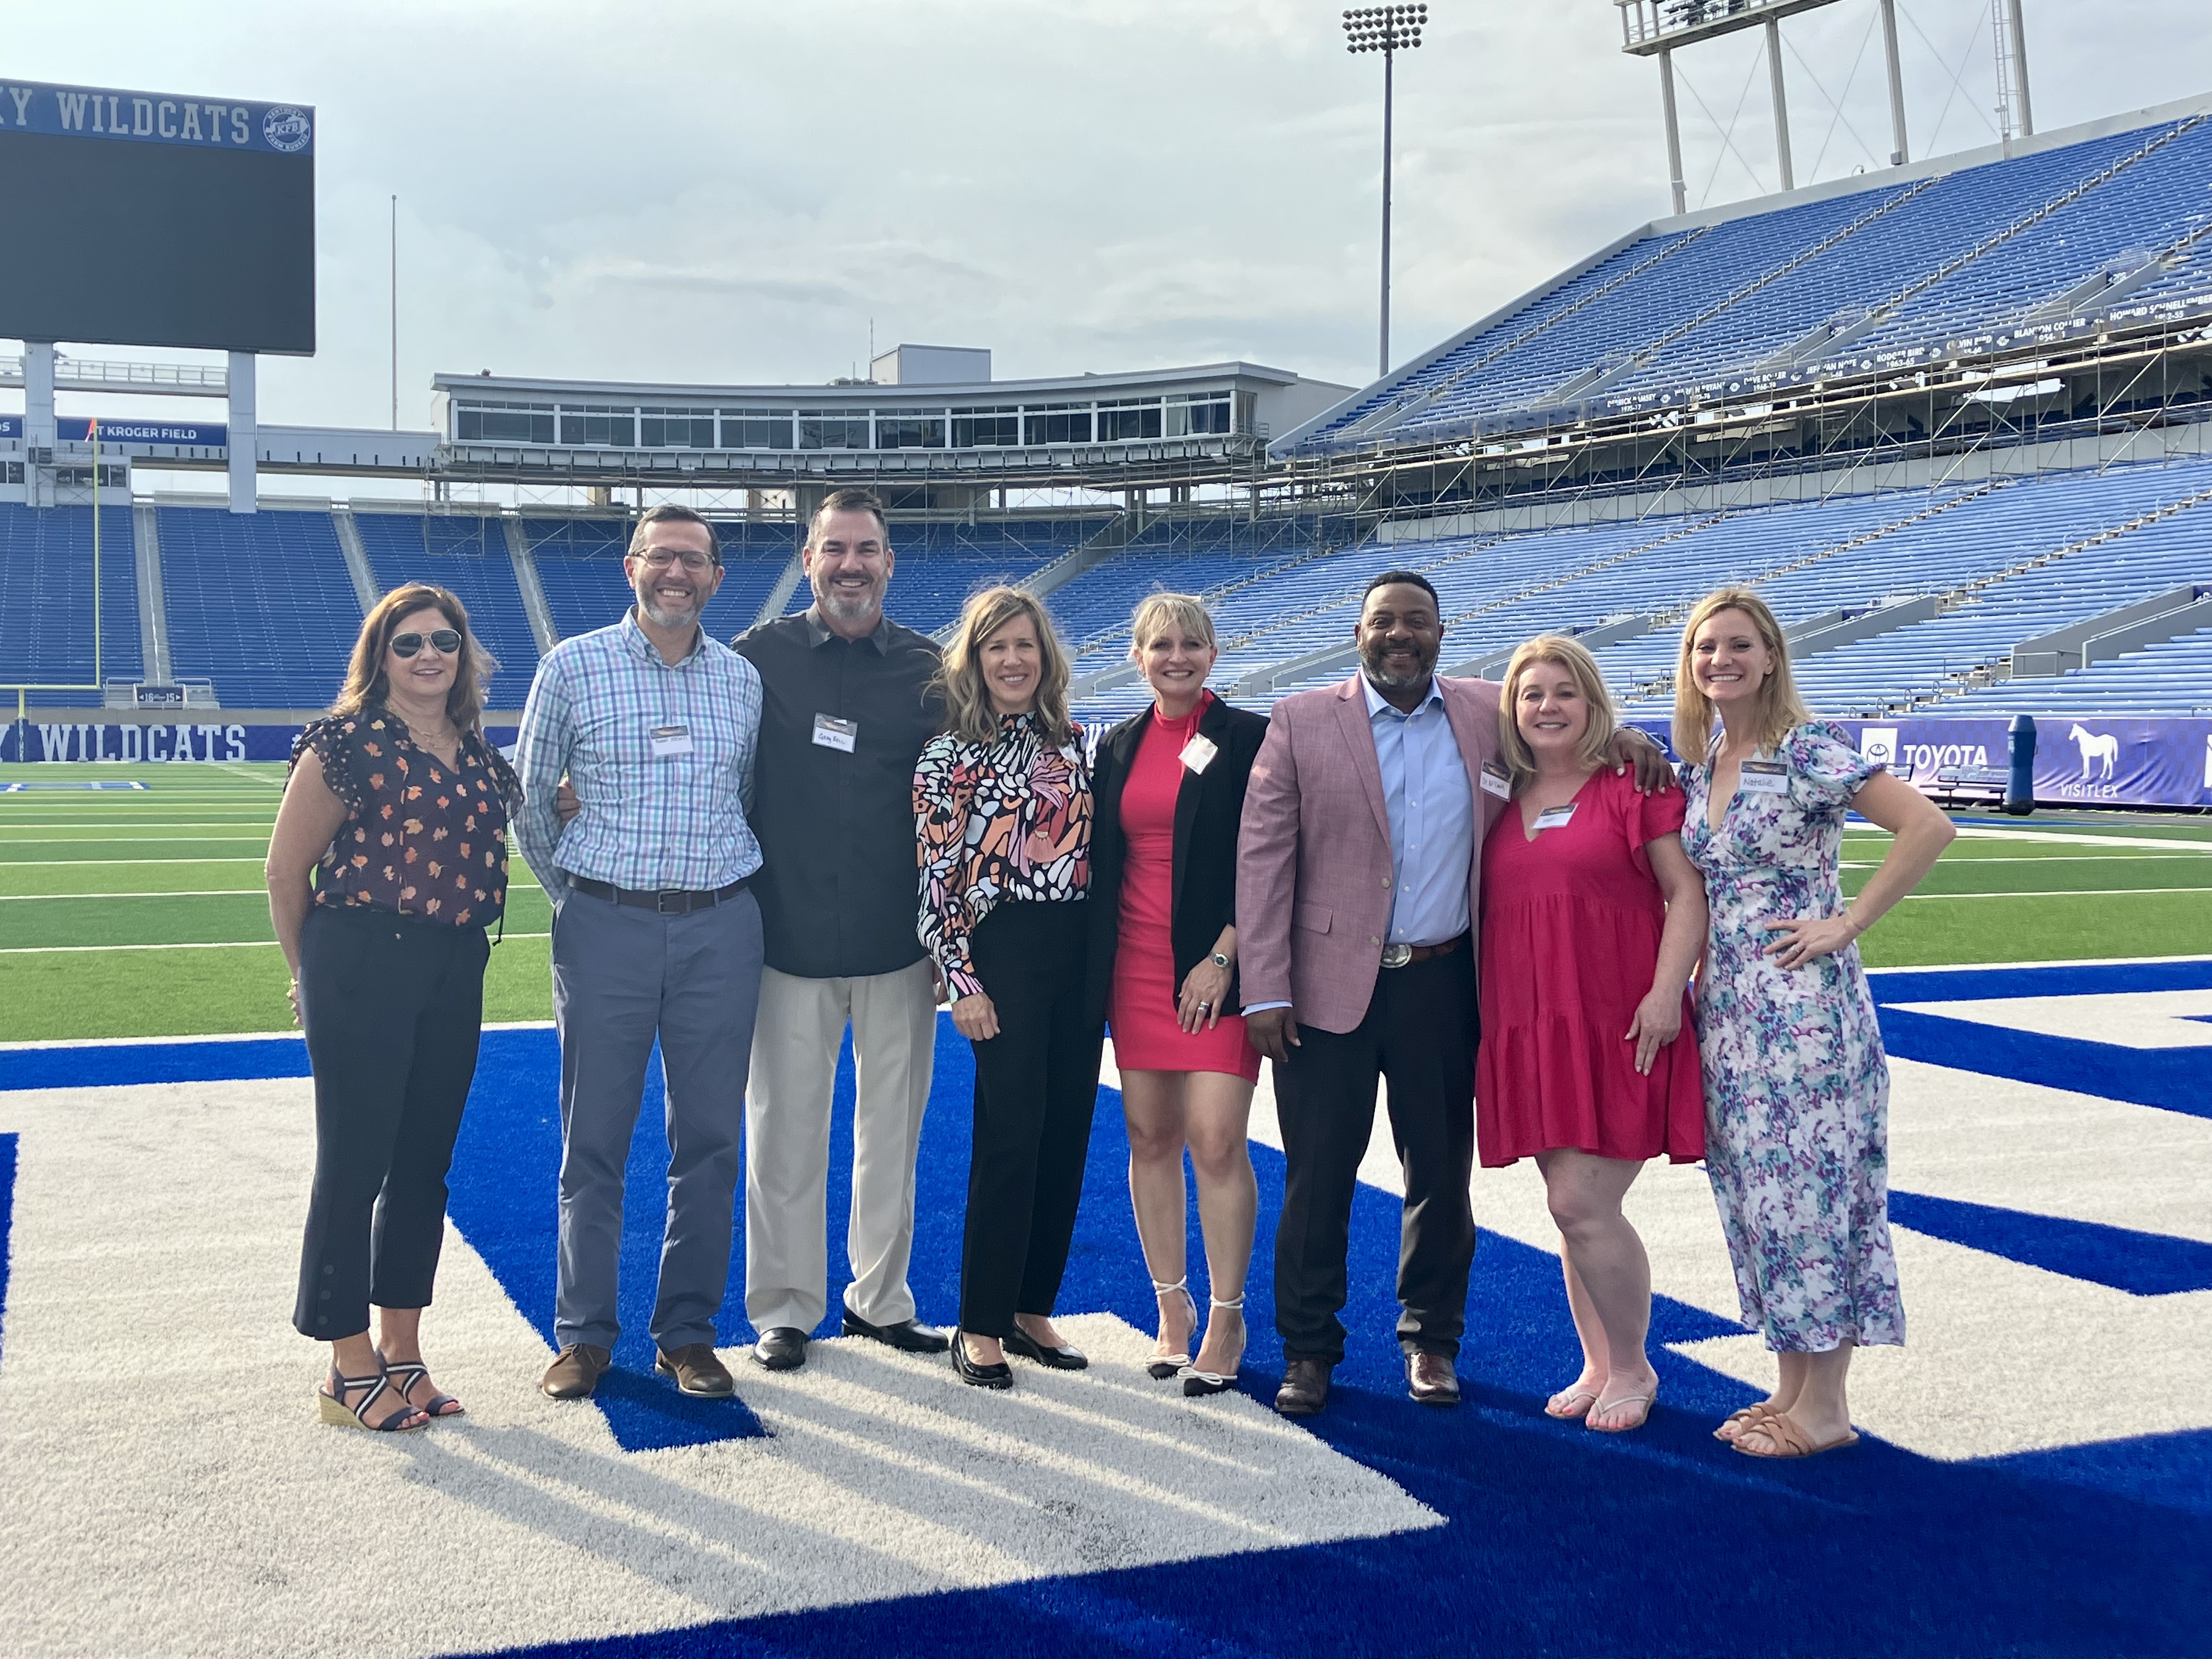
214	944
2063	838
2058	892
50	864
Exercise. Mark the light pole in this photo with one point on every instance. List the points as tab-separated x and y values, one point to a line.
1389	30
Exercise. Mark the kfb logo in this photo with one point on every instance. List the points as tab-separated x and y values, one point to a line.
286	128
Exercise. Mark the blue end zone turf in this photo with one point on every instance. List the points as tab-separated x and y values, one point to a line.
1558	1541
2172	1079
2141	1264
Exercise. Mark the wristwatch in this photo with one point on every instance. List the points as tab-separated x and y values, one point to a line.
1220	960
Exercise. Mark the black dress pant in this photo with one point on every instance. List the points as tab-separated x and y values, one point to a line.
393	1007
1419	1035
1036	1083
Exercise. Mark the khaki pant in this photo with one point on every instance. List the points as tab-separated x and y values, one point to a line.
794	1068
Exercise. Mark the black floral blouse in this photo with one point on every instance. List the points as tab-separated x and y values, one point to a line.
420	838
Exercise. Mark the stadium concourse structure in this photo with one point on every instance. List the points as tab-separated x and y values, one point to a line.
1950	418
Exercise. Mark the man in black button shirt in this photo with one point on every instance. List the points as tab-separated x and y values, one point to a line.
848	707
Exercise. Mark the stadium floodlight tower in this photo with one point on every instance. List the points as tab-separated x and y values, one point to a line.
1389	30
1657	28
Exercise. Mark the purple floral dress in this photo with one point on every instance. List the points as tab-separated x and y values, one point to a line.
1796	1083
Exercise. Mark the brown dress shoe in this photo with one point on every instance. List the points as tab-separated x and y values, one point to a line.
1431	1379
576	1372
696	1371
1305	1387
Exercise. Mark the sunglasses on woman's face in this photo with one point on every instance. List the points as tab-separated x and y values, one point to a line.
444	640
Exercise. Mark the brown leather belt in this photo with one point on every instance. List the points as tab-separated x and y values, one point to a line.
1405	955
669	902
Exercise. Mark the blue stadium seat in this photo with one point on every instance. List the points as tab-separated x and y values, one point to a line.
45	601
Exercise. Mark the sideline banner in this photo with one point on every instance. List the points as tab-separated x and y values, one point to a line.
138	744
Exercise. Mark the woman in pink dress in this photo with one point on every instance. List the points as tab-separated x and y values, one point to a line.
1169	786
1593	918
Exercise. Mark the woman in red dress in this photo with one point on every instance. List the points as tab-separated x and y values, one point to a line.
1593	918
1169	786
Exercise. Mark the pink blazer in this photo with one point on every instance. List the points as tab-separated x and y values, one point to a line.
1313	854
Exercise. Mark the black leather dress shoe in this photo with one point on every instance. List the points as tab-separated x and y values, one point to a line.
1305	1387
908	1335
1000	1375
1431	1379
781	1349
1062	1359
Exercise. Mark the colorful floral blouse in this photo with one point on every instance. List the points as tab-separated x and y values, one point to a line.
1006	820
420	838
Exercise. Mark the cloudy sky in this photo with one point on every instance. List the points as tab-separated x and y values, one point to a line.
724	192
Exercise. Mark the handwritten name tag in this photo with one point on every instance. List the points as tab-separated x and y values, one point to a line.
1765	778
1198	754
668	741
1495	782
1555	818
831	732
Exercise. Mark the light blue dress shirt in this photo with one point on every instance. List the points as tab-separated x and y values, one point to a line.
1431	805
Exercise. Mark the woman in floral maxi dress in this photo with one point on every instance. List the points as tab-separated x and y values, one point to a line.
1796	1085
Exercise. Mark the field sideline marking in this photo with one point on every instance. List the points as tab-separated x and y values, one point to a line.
2056	892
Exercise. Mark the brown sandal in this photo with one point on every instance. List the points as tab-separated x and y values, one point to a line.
1743	1420
1790	1440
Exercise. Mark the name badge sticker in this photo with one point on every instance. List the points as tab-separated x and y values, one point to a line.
1764	778
669	741
1198	754
1495	782
1555	818
831	732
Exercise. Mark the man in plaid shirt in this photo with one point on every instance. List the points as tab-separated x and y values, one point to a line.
655	934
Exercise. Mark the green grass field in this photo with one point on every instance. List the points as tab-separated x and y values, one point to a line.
141	912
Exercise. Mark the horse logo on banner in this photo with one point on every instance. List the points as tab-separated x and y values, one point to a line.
2096	750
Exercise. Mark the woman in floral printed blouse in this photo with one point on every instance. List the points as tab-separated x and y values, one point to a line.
399	807
1002	811
1796	1085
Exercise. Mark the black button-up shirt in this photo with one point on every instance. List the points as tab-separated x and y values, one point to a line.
837	889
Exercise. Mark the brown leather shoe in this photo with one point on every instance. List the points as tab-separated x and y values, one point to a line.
696	1371
1305	1387
1431	1379
576	1372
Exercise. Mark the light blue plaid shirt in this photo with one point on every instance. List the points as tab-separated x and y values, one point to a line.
675	822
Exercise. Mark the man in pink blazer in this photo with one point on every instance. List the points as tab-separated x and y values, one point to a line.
1358	890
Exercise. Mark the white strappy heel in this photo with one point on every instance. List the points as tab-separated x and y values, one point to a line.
1165	1365
1202	1383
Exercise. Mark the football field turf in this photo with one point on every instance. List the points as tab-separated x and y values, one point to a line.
131	902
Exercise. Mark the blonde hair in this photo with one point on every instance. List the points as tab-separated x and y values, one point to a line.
1157	612
1597	738
1778	706
969	715
366	681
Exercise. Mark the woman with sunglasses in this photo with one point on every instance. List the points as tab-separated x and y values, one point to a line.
399	807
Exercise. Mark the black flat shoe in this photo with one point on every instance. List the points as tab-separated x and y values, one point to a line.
1000	1375
1063	1358
781	1349
908	1335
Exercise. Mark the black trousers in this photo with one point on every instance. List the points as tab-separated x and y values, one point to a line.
1036	1083
1419	1035
393	1008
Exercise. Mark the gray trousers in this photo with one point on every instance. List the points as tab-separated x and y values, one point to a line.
622	975
802	1025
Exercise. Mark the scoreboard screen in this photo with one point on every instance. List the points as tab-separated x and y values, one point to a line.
154	219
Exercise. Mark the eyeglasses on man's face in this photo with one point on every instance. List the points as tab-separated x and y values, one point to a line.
659	558
443	640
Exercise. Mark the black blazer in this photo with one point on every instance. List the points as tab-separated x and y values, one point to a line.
1209	807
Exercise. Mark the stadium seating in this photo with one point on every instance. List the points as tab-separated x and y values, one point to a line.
45	601
260	604
1885	276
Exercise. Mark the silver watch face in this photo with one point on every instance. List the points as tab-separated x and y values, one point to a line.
1220	960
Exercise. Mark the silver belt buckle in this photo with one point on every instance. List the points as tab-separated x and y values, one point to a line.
662	906
1397	956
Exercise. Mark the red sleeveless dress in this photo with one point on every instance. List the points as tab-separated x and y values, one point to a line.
1147	1036
1571	927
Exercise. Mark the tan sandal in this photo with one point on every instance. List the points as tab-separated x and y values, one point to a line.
1575	1404
1790	1441
1741	1420
1646	1401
